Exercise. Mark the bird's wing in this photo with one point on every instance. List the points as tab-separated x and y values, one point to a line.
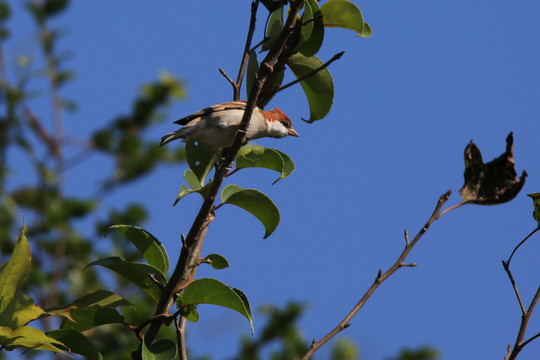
233	105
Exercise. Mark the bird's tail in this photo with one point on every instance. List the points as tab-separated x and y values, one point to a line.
171	137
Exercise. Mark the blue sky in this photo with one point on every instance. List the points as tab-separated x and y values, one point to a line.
433	76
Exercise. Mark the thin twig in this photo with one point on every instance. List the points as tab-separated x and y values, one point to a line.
379	279
506	267
181	337
519	344
308	75
521	243
222	72
245	55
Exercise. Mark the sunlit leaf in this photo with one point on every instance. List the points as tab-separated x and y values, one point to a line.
29	338
17	309
256	203
319	88
343	14
492	183
150	248
77	343
212	291
137	273
192	181
259	156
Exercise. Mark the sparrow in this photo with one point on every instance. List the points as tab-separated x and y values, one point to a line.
216	126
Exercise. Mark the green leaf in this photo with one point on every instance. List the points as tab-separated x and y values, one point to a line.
190	313
77	343
251	70
309	47
137	273
343	14
254	202
536	203
192	181
29	338
17	309
84	319
200	159
275	25
212	291
259	156
269	88
495	182
366	31
319	88
164	349
92	306
150	248
217	261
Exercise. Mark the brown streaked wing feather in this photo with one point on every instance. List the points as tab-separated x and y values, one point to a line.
233	105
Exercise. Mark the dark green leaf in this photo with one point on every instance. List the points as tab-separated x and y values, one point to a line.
272	5
164	349
200	159
150	248
77	343
89	318
256	203
259	156
251	71
275	25
319	88
269	88
217	261
53	7
310	46
212	291
137	273
495	182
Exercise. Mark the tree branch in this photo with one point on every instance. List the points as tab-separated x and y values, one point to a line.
380	278
315	71
195	238
245	55
525	314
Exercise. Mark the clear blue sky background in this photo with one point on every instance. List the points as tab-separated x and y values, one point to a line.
433	76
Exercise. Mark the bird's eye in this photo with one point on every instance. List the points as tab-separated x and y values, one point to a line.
286	124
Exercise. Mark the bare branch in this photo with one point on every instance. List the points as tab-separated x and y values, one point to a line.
310	74
245	55
222	72
380	278
521	243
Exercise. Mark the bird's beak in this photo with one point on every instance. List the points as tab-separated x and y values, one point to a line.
292	132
